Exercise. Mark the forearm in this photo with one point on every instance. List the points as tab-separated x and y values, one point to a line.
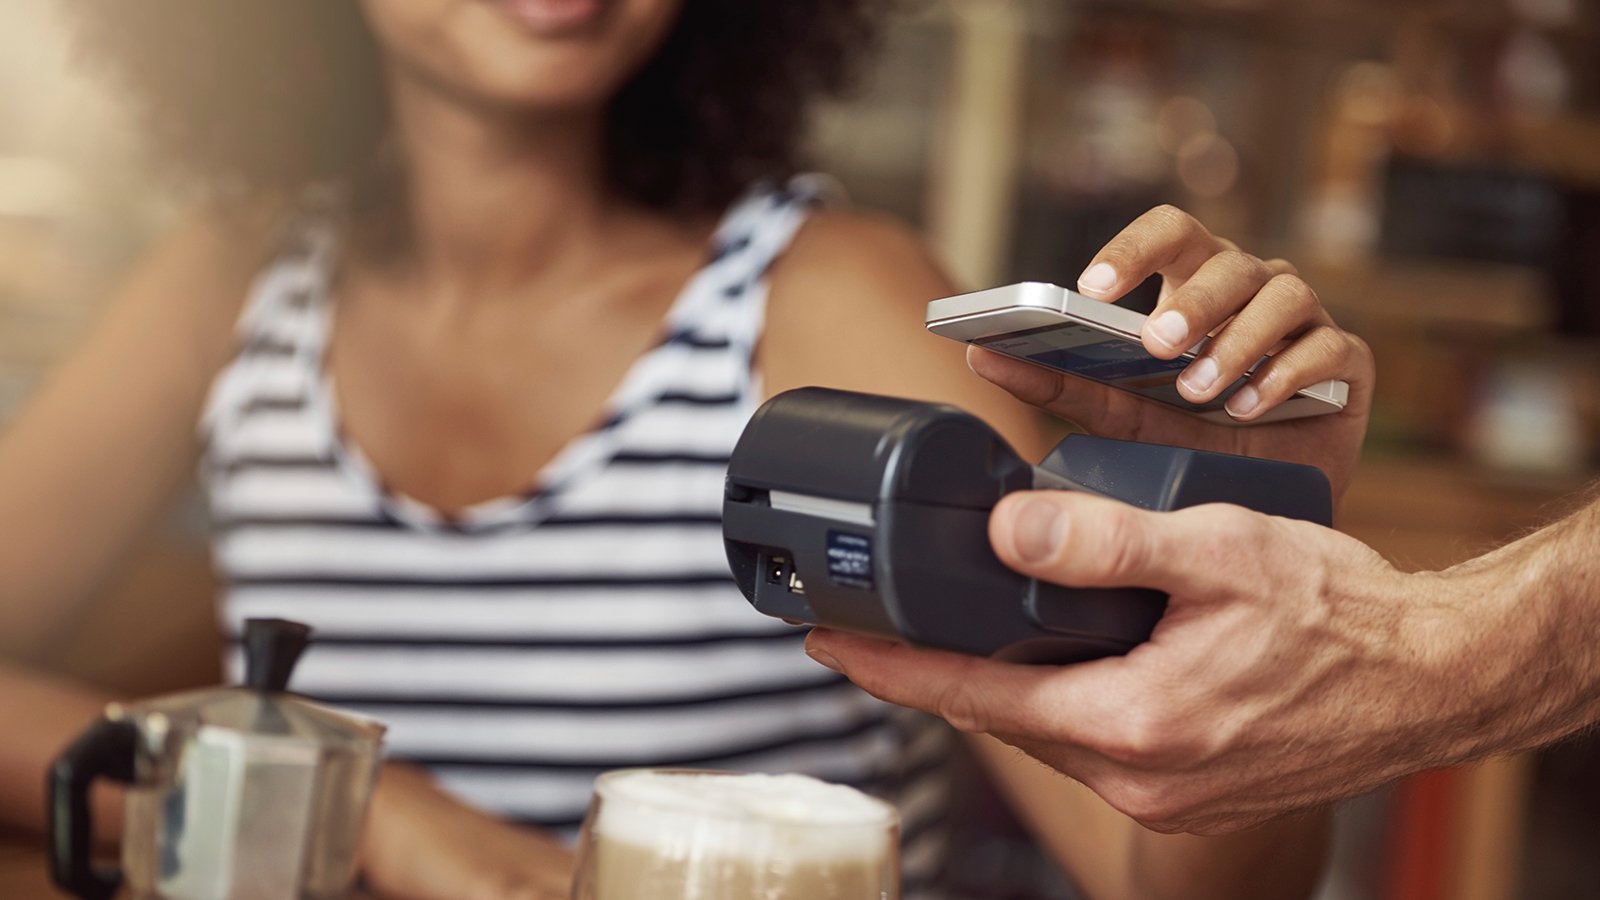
422	843
1527	631
82	475
109	438
43	715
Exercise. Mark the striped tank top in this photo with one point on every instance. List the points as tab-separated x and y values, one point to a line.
523	647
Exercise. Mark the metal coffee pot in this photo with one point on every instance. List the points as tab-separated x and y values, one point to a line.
234	793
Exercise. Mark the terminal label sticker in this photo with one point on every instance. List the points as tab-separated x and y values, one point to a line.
850	560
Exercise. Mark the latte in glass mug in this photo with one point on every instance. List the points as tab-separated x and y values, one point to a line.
684	835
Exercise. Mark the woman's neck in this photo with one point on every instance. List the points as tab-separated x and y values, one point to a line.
495	199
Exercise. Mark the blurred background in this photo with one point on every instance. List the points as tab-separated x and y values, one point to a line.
1433	166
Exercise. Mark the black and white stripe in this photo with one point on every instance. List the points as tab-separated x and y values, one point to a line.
522	648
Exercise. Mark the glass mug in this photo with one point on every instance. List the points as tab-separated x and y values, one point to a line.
664	834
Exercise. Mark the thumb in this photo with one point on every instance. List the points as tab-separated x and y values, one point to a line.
1083	540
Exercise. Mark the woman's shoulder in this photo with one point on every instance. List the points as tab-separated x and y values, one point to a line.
850	246
846	311
850	290
854	262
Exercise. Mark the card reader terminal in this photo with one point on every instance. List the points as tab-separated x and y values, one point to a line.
870	514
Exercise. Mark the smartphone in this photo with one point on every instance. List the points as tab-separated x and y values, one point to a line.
1053	327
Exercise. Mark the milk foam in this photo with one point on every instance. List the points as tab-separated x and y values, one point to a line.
742	815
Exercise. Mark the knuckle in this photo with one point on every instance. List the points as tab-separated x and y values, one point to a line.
1345	352
1326	345
1237	519
1243	264
1242	527
1233	355
1125	793
1222	532
1321	350
1172	215
1170	219
1166	819
1140	740
1122	546
958	703
1146	801
1209	518
1273	380
1163	818
1296	291
1328	339
1359	349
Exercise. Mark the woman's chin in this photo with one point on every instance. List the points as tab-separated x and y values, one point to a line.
544	89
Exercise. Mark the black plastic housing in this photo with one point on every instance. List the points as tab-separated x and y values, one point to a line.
909	558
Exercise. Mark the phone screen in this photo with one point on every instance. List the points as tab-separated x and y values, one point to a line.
1091	353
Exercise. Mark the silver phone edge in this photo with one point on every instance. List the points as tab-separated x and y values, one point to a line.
1322	398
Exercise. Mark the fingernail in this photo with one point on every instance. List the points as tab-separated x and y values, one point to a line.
1244	402
1099	279
1200	376
825	659
1169	328
1038	531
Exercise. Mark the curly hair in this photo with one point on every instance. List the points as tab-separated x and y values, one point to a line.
273	96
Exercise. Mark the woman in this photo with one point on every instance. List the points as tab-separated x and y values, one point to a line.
486	292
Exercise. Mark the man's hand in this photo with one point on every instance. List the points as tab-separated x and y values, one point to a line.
422	844
1250	306
1294	665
